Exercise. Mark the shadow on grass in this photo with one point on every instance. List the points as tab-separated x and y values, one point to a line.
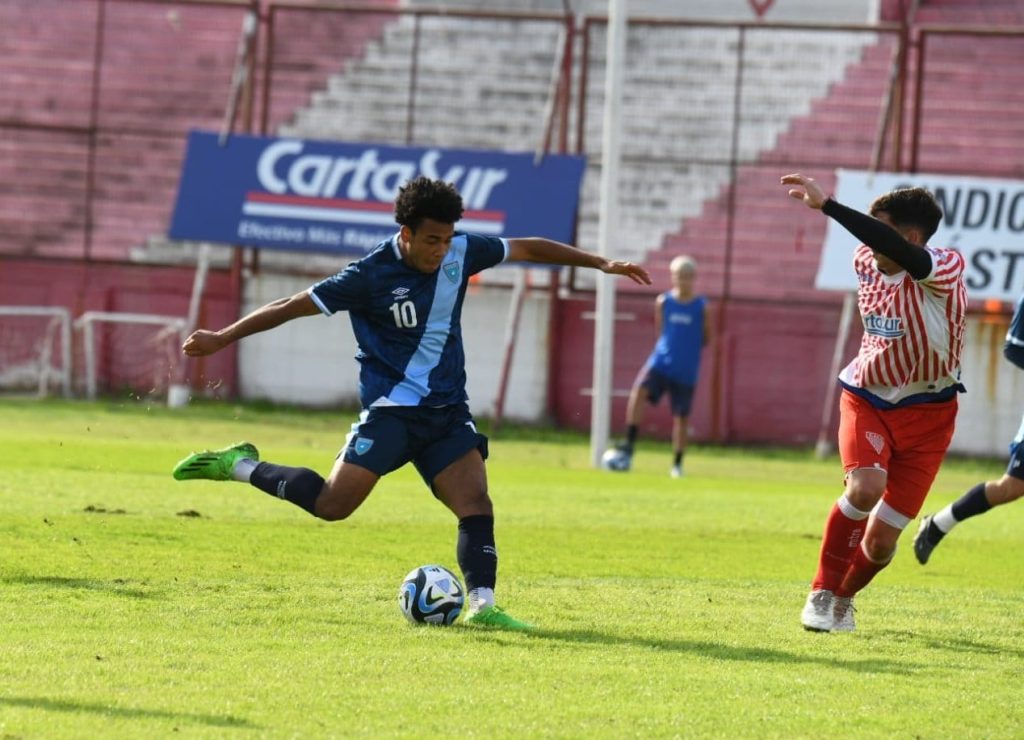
116	586
953	644
971	646
719	651
64	705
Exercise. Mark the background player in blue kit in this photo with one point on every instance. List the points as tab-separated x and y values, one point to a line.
405	303
683	325
986	494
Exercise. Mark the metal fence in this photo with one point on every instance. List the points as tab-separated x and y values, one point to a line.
94	120
97	97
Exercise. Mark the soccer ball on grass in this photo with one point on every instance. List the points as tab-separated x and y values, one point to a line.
431	594
616	459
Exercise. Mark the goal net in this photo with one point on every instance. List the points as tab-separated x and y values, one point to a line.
35	350
127	353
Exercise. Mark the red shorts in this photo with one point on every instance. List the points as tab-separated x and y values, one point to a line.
908	443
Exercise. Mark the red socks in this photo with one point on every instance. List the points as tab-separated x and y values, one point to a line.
860	573
844	529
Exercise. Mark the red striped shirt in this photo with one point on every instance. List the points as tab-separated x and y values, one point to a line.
913	329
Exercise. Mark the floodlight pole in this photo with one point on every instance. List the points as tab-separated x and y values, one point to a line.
604	310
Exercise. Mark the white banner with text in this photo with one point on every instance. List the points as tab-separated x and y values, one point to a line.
983	218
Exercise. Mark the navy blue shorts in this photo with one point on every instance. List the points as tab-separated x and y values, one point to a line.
386	438
1015	468
680	394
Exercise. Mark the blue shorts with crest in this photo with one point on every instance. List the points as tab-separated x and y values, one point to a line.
386	438
680	394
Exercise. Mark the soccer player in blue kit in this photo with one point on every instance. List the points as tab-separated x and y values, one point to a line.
404	300
683	325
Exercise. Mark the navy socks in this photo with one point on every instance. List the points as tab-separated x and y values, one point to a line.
301	486
478	558
971	503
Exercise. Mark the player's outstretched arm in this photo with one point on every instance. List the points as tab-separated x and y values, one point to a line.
204	342
548	252
806	190
879	236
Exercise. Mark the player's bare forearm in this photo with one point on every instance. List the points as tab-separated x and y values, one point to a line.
204	342
549	252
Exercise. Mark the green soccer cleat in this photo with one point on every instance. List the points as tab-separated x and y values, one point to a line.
495	616
214	464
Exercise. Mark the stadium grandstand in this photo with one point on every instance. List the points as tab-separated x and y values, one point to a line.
99	95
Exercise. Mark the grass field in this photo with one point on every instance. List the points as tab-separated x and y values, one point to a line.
137	606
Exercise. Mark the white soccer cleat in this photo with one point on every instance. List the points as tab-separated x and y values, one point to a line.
842	614
677	471
817	615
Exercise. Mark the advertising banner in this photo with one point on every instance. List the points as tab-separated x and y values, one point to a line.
983	218
327	196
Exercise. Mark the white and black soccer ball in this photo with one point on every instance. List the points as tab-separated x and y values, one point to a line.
616	459
431	594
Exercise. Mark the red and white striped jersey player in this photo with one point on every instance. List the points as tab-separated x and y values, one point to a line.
898	403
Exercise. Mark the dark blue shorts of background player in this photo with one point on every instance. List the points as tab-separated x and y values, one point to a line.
680	395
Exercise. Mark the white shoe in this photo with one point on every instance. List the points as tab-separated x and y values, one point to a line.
842	614
677	471
818	613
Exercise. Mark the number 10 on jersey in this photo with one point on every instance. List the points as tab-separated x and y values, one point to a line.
405	314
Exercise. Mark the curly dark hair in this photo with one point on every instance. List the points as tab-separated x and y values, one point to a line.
910	207
424	198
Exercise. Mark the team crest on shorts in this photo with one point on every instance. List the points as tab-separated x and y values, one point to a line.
362	445
876	441
451	271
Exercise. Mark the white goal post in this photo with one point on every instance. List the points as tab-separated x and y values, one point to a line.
35	348
173	327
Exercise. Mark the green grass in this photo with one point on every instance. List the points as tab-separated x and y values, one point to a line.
134	605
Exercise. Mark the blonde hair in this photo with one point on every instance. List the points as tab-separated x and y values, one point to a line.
682	263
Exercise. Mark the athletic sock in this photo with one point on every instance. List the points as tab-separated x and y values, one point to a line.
301	486
678	459
862	569
631	432
476	553
972	503
941	523
242	471
480	598
844	529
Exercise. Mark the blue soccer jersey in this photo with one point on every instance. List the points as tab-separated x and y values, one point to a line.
677	353
1014	347
408	323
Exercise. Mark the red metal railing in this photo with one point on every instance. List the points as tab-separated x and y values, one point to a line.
112	142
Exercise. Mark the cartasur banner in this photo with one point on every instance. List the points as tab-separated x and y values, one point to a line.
330	196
